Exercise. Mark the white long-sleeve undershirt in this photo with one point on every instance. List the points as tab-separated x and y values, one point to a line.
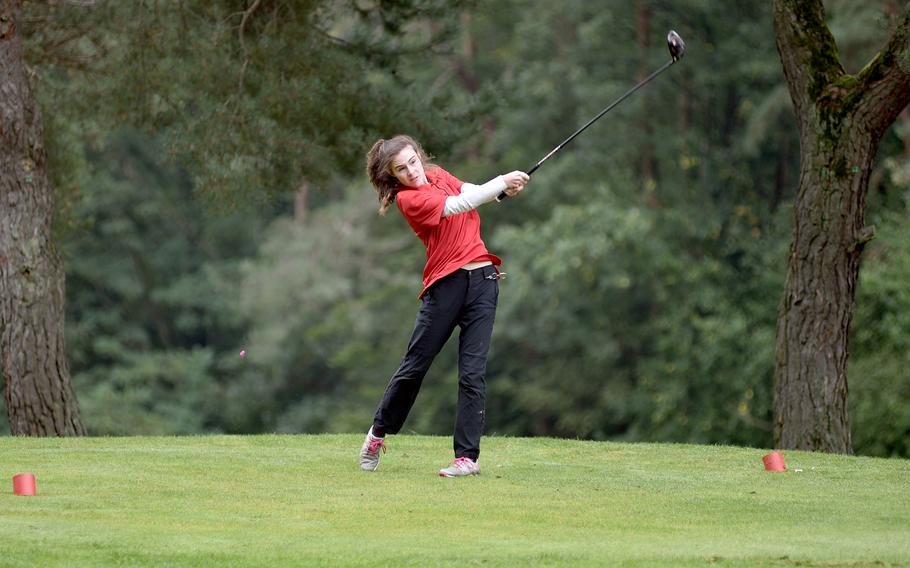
473	196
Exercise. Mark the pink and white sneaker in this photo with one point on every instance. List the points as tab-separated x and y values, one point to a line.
369	452
460	467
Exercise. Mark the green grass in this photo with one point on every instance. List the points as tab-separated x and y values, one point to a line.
302	501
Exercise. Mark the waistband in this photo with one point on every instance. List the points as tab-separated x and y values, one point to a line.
489	271
473	265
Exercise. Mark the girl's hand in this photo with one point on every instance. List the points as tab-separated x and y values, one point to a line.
515	182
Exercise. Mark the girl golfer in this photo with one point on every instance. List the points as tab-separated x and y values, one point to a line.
461	287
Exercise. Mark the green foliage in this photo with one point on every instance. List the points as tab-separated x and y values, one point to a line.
168	392
329	304
860	28
638	328
642	308
637	307
879	383
252	99
150	294
249	102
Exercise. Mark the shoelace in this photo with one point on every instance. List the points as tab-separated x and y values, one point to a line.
463	462
374	446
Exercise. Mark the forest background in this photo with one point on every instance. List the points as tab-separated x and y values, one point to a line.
207	161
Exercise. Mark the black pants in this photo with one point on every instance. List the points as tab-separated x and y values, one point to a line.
466	299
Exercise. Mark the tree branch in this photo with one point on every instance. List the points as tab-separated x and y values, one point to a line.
246	16
885	81
246	59
805	43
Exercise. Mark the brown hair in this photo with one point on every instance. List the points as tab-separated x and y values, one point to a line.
379	167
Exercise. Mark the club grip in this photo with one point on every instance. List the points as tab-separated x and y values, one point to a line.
503	195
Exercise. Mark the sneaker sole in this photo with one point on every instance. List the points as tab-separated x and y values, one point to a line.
441	474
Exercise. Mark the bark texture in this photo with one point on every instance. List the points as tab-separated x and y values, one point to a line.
37	389
841	121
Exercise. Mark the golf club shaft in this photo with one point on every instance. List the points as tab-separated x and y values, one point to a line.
639	85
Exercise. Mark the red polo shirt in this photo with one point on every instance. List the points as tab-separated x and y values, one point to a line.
451	241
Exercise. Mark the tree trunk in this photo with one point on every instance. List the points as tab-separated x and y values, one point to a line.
301	202
38	393
643	43
841	120
815	315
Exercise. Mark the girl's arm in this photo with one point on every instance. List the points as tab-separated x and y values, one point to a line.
473	196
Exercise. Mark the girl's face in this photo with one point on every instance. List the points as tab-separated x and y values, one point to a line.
407	168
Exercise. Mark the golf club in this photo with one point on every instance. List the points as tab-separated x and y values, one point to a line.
677	48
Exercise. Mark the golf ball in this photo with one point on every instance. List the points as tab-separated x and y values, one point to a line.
242	354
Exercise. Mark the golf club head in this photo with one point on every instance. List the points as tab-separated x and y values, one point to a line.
676	44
